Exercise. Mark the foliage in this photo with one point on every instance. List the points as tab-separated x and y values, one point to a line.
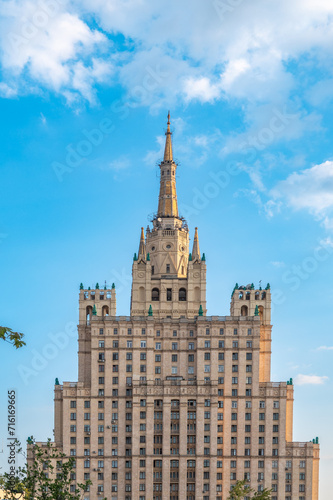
14	338
242	490
46	476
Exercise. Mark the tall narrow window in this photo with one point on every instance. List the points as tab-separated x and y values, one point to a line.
169	294
168	268
182	294
155	294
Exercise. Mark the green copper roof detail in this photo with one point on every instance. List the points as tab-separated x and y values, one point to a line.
56	381
256	311
268	287
81	286
203	258
252	286
190	257
290	381
236	286
113	285
135	257
148	256
200	310
150	311
89	288
97	286
94	310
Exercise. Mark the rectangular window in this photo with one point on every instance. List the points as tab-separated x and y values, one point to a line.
129	331
169	294
143	344
158	346
207	344
174	346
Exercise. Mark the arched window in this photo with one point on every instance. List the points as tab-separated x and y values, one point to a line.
105	311
241	295
263	295
141	294
244	311
182	294
257	296
155	294
248	295
88	314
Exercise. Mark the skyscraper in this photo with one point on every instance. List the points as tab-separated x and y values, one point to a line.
171	403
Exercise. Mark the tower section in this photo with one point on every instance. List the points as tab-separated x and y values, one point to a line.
246	301
168	279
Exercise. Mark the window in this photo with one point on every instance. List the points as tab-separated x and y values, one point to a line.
129	344
129	331
182	294
221	331
169	294
158	346
174	346
191	358
249	344
174	358
73	416
155	294
143	344
235	343
115	331
191	346
168	268
207	344
143	331
234	380
101	344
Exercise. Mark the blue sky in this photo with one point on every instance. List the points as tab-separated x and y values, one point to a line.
85	88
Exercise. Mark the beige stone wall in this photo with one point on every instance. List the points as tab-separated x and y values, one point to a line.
148	338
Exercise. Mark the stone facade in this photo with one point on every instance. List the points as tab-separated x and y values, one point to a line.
171	403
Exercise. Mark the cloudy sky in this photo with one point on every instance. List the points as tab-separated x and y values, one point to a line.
84	92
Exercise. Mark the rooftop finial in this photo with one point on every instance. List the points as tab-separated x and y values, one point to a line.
142	246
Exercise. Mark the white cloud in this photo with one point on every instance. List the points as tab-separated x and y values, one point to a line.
190	50
278	263
7	91
121	163
325	348
201	89
301	379
50	46
310	189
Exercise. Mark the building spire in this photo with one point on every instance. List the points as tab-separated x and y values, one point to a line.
167	201
168	143
142	246
196	248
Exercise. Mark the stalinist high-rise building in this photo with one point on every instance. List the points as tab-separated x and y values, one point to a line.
172	404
